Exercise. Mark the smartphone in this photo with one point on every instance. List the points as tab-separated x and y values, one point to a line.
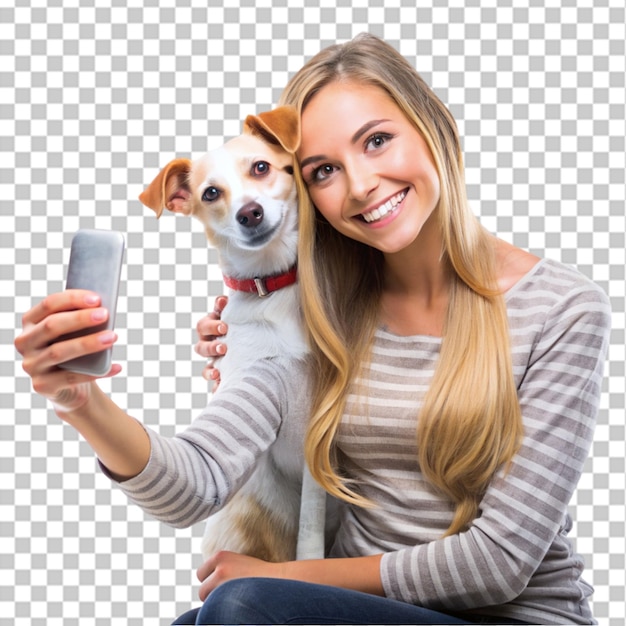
95	264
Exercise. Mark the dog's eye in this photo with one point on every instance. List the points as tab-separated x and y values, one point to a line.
211	194
260	168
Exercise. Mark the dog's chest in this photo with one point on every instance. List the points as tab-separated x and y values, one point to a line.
261	328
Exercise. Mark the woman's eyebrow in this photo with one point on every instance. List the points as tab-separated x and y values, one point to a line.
312	159
367	126
357	135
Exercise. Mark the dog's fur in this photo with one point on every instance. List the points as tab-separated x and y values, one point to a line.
244	194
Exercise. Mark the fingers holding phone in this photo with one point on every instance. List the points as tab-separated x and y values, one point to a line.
42	351
67	338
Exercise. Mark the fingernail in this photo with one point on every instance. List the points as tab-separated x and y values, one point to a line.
99	315
109	337
221	328
220	348
92	299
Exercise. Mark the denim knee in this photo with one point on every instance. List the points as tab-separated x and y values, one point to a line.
238	601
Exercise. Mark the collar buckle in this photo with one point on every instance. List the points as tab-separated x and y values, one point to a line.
261	289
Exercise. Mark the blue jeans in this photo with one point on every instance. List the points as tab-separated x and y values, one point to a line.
273	601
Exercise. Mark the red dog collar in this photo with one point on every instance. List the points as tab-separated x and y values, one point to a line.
262	286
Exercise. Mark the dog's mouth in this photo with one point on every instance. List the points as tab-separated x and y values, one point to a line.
259	236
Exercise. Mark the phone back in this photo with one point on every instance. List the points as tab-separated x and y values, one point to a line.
95	264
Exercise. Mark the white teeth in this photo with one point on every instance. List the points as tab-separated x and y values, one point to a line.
384	209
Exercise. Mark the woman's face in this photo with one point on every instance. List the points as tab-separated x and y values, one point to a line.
368	170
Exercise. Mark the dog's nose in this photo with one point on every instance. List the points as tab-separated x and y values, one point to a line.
250	214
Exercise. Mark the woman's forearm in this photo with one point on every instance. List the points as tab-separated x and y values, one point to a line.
120	442
358	573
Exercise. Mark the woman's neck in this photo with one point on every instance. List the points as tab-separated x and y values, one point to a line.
420	270
417	286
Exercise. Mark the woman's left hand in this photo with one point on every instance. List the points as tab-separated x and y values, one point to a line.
224	566
210	328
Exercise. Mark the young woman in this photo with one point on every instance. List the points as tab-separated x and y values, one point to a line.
455	384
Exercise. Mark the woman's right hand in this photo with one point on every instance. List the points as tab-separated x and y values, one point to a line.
210	328
57	315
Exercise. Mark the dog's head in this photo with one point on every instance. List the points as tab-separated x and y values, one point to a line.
243	192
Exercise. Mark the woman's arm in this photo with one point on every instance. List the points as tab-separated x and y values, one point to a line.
193	474
119	441
360	573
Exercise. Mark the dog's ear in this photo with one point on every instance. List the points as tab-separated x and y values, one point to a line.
279	126
170	189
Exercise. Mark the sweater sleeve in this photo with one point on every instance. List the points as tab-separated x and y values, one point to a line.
193	474
525	508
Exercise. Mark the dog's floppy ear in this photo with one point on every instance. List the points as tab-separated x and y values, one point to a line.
279	126
170	189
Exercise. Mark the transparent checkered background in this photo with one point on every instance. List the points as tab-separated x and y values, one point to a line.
96	95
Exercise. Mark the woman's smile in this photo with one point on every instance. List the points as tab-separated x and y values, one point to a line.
388	208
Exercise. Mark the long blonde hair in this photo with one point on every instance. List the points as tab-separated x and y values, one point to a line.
470	422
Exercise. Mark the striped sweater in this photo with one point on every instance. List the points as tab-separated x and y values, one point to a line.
515	560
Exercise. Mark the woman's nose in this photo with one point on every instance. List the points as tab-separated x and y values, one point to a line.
362	180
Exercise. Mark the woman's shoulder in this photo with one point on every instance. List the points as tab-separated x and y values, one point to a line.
524	274
512	264
553	294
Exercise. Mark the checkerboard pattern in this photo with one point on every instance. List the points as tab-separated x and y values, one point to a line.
95	96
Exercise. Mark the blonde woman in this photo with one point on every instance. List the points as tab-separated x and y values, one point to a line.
455	384
457	377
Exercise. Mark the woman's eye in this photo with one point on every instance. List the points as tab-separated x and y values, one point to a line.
377	140
260	168
322	172
211	194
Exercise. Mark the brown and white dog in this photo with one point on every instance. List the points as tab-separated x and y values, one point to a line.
244	194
